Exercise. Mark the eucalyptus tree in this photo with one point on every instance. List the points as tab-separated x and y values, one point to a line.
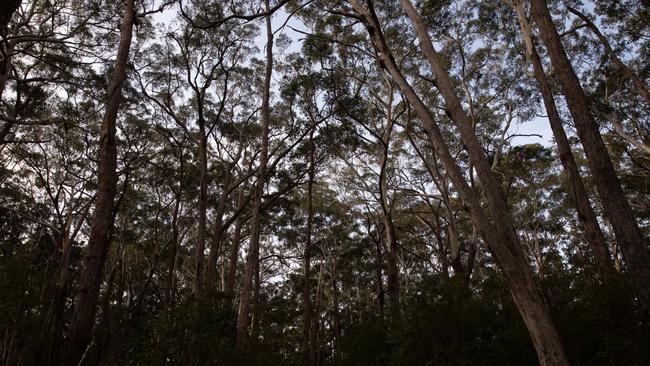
632	240
500	236
83	318
580	196
252	258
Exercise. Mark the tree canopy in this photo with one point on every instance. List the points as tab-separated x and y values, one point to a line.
291	182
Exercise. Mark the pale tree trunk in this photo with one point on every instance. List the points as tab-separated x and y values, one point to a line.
617	209
306	296
499	234
83	318
586	215
252	259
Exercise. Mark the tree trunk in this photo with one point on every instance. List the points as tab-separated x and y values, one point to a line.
306	295
83	318
379	281
215	247
499	234
386	208
252	259
586	215
170	297
617	210
315	330
199	254
335	312
233	258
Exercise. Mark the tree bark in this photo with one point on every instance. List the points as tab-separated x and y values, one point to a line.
306	296
83	318
617	209
252	260
499	233
586	215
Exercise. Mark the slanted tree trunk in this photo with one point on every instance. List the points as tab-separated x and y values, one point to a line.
83	318
252	259
586	215
306	296
499	232
617	209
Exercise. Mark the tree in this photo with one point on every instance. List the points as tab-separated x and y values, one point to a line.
632	241
102	222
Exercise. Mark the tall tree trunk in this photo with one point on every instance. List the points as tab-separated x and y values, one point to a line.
617	210
379	281
386	208
170	296
306	296
335	311
586	215
83	318
233	258
199	254
215	247
315	325
499	234
252	259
